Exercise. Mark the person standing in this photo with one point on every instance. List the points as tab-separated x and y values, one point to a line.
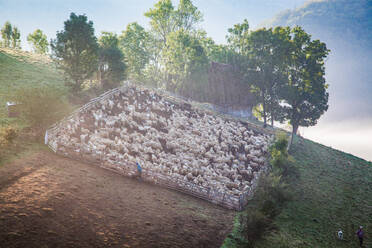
139	169
360	235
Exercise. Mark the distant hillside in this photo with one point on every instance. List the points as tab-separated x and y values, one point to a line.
346	27
19	68
350	20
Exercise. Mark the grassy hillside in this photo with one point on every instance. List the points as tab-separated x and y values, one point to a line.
20	68
333	191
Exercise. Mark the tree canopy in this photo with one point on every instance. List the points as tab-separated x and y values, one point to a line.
111	67
305	96
135	44
39	41
76	50
11	36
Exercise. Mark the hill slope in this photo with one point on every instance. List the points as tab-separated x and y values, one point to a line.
332	192
20	68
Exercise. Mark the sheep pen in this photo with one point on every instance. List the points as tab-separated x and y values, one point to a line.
177	145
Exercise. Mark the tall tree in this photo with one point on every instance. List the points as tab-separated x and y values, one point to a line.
6	34
162	19
305	96
187	15
185	61
16	38
268	58
39	41
76	50
134	42
165	19
111	67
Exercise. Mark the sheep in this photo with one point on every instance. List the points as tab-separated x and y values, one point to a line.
204	149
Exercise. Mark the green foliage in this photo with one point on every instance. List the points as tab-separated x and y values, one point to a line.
40	105
254	224
16	38
162	19
174	33
111	67
76	50
11	36
238	37
305	96
185	61
165	19
273	194
135	43
6	34
187	15
39	41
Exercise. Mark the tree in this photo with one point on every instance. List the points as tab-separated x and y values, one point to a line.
267	60
238	37
305	96
134	42
165	19
76	50
111	67
187	15
185	61
162	18
39	41
6	34
16	38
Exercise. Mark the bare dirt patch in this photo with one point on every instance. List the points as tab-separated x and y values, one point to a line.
50	201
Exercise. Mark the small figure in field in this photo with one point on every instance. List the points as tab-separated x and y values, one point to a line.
139	169
360	235
340	235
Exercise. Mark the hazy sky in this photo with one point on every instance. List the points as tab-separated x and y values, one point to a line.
353	135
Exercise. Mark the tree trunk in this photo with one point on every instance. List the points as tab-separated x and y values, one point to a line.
272	118
294	131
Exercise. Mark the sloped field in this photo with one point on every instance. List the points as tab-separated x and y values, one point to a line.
51	201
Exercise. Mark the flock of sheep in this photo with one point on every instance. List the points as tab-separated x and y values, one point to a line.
168	138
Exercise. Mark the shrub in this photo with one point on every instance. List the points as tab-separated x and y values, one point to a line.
273	194
7	135
255	224
41	105
281	161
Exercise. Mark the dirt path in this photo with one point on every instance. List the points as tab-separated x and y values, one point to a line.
50	201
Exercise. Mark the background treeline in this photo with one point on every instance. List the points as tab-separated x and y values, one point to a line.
283	67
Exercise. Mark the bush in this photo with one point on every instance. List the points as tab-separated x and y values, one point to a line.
273	194
41	105
7	135
255	224
281	161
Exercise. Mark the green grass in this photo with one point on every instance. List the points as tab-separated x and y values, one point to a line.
333	191
20	68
